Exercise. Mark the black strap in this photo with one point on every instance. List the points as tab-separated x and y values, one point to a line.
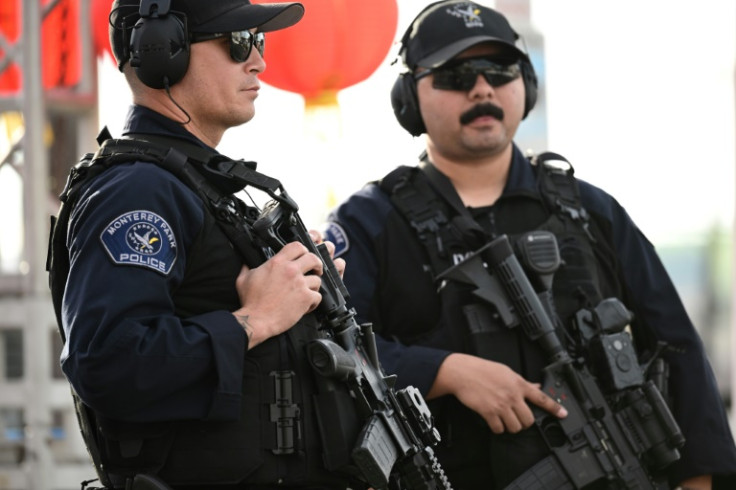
558	186
228	175
444	188
560	189
437	213
429	202
194	151
423	209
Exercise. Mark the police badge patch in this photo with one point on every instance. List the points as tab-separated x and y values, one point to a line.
335	234
140	238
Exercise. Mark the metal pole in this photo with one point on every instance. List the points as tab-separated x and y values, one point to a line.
732	394
37	348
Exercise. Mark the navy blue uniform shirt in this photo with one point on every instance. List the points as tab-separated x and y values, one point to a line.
147	306
391	287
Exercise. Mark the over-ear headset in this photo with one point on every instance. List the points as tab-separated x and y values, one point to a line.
159	45
404	91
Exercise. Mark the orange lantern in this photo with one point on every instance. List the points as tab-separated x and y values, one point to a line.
60	44
337	44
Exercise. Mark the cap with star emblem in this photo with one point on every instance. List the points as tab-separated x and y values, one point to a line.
446	28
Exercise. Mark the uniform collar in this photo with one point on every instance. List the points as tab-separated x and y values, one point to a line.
522	178
521	175
142	120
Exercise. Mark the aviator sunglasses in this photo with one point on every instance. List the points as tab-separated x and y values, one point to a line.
241	42
462	74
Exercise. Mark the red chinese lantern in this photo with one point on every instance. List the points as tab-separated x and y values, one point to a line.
10	20
60	44
337	44
100	18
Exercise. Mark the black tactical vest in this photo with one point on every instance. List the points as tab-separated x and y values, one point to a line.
278	438
449	232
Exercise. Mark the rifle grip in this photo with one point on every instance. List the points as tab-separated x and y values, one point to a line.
332	270
330	360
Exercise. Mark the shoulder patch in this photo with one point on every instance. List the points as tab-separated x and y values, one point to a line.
335	234
140	238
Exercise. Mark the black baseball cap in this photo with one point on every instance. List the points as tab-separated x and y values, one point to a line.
445	28
204	16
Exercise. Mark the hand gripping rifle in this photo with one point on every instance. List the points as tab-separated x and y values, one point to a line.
394	448
619	432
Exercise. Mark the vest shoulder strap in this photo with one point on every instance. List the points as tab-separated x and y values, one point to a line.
424	209
175	156
439	224
560	189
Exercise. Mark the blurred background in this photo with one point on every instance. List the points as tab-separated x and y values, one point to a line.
638	94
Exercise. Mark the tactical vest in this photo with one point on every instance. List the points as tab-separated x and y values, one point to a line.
448	233
278	438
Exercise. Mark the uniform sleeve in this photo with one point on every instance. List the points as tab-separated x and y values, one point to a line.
355	228
128	356
659	312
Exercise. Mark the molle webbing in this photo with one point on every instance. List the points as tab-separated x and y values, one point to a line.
559	188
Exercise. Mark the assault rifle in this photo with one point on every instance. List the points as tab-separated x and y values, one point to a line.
394	448
619	432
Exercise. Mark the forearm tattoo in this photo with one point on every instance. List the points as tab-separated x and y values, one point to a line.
243	320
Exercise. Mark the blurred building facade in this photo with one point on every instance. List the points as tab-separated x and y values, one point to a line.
43	125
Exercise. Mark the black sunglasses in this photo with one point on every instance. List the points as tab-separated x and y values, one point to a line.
241	42
463	73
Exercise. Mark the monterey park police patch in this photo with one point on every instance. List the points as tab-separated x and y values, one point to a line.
335	234
140	238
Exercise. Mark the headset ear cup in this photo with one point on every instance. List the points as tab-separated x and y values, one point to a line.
406	104
159	50
530	86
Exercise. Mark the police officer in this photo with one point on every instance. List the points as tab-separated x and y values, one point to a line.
185	360
468	86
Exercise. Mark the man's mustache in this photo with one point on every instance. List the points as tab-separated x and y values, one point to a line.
486	109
